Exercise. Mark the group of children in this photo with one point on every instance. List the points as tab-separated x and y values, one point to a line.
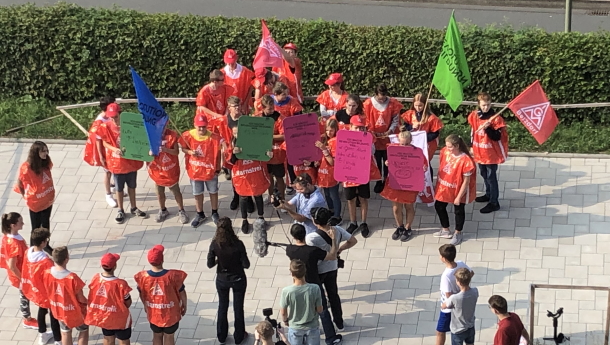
45	280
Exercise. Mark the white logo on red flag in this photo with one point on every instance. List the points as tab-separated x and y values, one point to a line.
534	114
268	53
271	46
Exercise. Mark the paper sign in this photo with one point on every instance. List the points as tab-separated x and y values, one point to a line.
420	140
254	137
134	140
301	133
393	138
406	167
353	157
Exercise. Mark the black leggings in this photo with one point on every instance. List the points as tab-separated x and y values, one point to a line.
380	157
460	214
42	324
243	205
42	219
291	174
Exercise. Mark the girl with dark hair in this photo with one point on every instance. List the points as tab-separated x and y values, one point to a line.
328	269
12	254
353	106
228	254
382	114
455	184
35	184
326	179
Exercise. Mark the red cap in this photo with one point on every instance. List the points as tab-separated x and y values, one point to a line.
230	56
113	110
109	260
290	46
357	121
200	120
334	79
260	74
155	255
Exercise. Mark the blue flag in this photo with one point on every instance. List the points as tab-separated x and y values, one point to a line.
154	115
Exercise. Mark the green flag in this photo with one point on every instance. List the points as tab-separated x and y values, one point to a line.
451	75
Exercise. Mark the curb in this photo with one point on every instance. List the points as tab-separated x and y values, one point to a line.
511	154
546	4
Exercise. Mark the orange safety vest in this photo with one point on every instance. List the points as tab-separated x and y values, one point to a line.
106	303
433	124
62	297
12	248
241	82
328	101
165	168
250	178
402	196
204	166
161	296
451	172
110	133
39	189
380	121
32	284
90	155
484	149
293	80
326	172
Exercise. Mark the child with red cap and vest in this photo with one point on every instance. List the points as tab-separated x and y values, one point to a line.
108	303
239	78
164	170
292	70
203	162
67	301
489	148
125	171
164	297
35	263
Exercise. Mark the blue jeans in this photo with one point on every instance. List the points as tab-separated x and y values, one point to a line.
304	336
490	177
333	199
464	337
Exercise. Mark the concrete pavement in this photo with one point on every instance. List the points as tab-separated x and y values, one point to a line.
552	229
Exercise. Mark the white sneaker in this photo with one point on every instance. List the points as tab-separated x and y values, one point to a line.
45	337
57	343
110	200
112	189
443	234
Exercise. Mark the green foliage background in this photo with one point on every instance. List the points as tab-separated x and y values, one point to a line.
64	54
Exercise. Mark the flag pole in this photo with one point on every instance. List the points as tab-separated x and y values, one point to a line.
427	98
492	118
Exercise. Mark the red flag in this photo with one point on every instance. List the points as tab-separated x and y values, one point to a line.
268	53
534	110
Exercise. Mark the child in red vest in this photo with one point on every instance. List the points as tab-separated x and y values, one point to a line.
36	262
12	253
108	303
67	301
164	297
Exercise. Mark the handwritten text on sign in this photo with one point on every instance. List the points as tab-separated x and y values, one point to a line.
406	166
353	157
301	133
134	140
254	137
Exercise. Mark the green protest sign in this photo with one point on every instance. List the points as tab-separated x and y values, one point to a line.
254	137
134	140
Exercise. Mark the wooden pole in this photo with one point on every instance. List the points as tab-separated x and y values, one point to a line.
32	123
427	99
492	118
74	122
532	313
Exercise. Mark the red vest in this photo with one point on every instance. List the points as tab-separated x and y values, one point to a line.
12	248
165	168
32	284
250	178
161	296
62	296
106	303
110	133
204	166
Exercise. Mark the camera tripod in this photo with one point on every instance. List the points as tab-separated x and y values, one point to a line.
557	338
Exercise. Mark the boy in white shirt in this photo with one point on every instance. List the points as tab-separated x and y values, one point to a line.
448	287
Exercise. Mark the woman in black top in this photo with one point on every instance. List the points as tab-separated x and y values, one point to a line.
229	253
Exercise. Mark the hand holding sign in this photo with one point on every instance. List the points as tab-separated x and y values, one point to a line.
353	157
301	133
406	167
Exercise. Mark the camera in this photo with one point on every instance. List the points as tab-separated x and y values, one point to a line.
267	312
276	200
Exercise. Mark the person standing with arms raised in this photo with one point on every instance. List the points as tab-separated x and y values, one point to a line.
292	71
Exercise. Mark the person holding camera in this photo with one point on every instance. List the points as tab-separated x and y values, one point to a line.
328	237
310	255
300	305
308	196
264	334
228	254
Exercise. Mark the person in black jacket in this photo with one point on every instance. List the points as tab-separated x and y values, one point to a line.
228	253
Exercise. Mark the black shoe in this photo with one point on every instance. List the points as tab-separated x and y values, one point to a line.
378	187
245	226
227	174
482	198
489	208
364	229
245	337
337	339
406	235
250	205
120	217
398	233
234	204
351	228
138	213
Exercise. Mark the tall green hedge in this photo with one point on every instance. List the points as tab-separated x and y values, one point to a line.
67	53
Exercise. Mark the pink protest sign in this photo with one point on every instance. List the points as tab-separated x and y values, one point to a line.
353	157
301	133
406	166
